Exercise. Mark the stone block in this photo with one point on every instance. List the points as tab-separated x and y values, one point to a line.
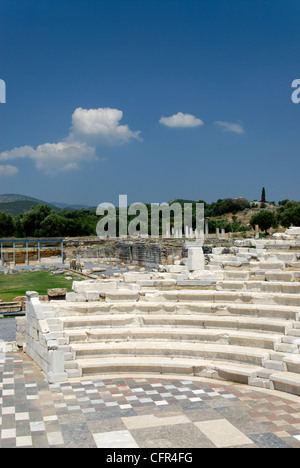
196	259
134	287
57	378
122	296
31	294
43	326
133	277
92	295
57	294
74	297
56	362
101	287
271	265
280	276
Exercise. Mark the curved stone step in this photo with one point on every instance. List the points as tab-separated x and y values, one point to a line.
179	320
259	286
267	275
234	372
145	307
286	382
176	350
80	321
213	296
224	322
226	337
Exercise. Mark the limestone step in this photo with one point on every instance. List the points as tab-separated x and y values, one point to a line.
69	356
280	256
235	275
287	276
121	295
55	324
47	307
259	286
291	340
234	372
284	347
176	350
157	283
182	308
265	373
294	332
277	356
212	296
286	382
226	322
276	365
97	320
292	362
178	320
295	265
74	373
255	265
260	383
227	337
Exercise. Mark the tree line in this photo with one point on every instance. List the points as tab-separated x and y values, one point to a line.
43	221
286	215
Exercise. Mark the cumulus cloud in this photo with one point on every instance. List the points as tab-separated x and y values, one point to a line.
8	170
102	125
52	158
90	128
181	120
231	127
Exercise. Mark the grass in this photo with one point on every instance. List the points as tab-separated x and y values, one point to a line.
12	286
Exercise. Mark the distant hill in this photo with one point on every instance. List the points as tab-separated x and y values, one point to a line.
12	197
16	204
18	207
181	201
65	206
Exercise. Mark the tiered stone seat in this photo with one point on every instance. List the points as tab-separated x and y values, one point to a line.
192	332
241	323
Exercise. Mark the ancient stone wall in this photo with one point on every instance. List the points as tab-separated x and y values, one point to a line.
142	253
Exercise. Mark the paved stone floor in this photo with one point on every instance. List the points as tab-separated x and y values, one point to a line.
137	412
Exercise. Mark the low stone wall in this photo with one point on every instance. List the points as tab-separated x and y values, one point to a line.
41	345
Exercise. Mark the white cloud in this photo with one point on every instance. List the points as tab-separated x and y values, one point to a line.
16	153
90	127
7	170
53	157
102	125
181	120
231	127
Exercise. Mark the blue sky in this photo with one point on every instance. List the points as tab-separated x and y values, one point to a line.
155	99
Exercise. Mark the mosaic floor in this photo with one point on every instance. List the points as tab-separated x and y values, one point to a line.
139	412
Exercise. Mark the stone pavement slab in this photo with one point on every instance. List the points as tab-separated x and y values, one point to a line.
139	412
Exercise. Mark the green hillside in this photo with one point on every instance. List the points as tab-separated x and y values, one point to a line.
18	207
16	204
16	197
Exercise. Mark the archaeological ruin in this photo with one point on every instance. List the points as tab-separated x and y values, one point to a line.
228	312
